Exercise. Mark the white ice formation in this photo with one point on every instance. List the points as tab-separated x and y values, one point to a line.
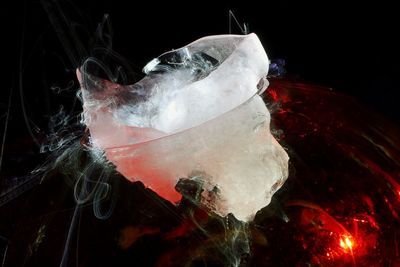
196	112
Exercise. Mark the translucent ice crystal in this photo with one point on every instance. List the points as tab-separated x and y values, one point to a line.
196	114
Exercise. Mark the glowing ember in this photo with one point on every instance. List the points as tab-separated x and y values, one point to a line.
346	244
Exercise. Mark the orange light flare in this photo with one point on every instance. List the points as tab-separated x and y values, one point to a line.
339	239
341	249
347	243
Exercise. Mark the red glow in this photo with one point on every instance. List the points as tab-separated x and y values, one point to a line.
143	167
274	95
341	221
331	239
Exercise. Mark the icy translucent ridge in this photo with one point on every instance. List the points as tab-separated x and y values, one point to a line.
196	111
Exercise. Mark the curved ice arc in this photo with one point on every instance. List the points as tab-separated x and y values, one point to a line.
197	115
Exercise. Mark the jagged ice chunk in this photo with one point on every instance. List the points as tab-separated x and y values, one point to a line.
196	114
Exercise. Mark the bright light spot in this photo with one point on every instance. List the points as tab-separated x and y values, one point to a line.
346	243
349	243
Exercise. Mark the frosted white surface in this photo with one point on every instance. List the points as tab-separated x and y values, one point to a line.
200	114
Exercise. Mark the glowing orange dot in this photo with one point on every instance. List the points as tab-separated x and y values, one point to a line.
346	243
349	243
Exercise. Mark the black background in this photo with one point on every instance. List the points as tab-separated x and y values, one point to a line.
352	48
